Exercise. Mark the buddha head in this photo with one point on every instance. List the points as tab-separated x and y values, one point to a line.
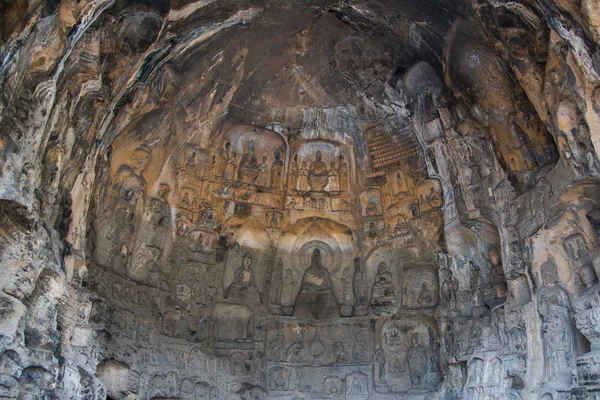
415	339
587	275
549	273
493	256
318	156
316	257
247	260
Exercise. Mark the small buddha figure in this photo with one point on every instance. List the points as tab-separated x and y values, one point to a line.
318	174
401	227
231	168
263	172
316	297
185	201
244	280
334	181
399	183
383	295
372	207
248	170
343	174
303	178
425	296
190	163
277	171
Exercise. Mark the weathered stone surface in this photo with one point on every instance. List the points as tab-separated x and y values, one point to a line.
299	200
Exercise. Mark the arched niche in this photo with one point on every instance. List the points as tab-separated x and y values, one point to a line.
251	155
297	243
482	271
248	263
370	202
383	280
333	172
408	355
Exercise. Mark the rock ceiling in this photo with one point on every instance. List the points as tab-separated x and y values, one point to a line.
299	199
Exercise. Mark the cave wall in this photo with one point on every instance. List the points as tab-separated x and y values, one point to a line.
252	199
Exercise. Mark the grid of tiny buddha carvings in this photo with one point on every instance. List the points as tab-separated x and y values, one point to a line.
387	150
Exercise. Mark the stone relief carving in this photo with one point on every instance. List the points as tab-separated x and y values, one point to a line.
153	249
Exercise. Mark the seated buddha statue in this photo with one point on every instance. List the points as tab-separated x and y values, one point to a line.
243	286
248	169
318	175
383	297
316	298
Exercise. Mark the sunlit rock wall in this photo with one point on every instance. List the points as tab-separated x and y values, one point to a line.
257	200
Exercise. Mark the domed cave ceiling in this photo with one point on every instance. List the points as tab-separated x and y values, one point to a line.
264	199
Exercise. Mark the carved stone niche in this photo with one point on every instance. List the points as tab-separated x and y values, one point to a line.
406	356
335	344
420	288
317	257
429	193
321	166
246	268
382	279
370	202
487	88
251	155
422	80
194	163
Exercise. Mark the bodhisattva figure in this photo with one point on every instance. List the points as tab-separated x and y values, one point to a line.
287	294
425	296
316	297
263	173
417	362
293	175
318	174
231	168
248	169
277	282
380	365
449	289
221	161
383	295
244	280
334	180
476	283
303	178
553	306
360	294
277	171
343	174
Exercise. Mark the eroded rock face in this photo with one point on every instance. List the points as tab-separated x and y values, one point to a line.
316	200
